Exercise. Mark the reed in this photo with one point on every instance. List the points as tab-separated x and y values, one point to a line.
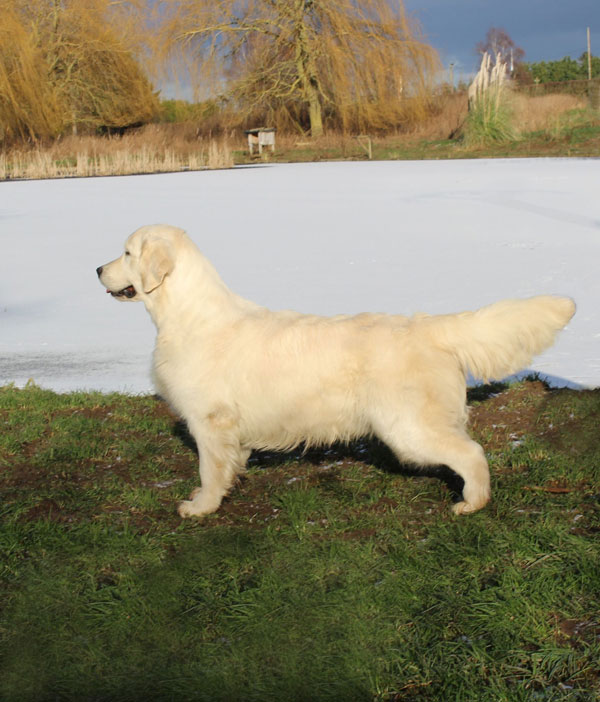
97	156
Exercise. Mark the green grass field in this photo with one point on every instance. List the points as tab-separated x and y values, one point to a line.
334	575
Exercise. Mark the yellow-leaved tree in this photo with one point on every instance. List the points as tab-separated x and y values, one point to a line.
352	65
70	63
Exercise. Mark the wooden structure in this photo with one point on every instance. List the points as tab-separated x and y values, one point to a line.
261	136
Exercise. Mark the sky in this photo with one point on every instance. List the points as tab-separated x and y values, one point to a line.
547	30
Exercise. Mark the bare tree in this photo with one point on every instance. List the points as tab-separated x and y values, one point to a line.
357	61
500	46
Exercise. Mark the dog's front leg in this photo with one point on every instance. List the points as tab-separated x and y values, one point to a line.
221	459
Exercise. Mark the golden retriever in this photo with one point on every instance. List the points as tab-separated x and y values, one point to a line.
244	377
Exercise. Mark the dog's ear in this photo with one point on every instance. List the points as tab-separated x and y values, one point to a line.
156	262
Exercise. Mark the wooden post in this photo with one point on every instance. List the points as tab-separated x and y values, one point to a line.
589	55
365	141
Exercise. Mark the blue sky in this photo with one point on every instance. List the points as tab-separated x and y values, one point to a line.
546	29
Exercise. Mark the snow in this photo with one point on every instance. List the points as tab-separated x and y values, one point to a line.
395	236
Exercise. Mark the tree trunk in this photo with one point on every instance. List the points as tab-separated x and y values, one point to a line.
314	112
307	73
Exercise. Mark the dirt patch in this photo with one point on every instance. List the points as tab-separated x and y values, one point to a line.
50	510
252	513
505	418
577	633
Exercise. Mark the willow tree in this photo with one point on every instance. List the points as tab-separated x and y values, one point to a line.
29	105
89	47
76	58
357	63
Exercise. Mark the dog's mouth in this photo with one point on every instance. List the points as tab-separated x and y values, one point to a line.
129	292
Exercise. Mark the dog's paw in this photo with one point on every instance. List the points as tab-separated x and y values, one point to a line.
199	504
475	496
464	508
186	509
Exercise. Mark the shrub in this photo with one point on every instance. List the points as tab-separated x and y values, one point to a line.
490	118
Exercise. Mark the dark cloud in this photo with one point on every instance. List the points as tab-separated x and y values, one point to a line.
546	30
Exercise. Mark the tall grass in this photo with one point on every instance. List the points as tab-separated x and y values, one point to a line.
501	114
149	151
490	118
541	113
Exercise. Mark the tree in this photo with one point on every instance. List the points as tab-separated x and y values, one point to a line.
501	47
29	106
69	63
564	69
337	59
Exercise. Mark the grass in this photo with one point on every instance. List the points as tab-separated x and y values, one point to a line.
152	150
334	575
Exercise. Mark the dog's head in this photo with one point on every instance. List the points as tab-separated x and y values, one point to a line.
148	258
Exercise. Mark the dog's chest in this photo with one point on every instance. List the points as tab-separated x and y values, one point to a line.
180	373
167	367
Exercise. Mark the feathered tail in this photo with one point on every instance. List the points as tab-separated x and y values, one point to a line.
501	339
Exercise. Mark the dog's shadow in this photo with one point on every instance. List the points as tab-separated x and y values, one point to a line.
369	451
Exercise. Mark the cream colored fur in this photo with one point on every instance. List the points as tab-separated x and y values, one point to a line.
244	377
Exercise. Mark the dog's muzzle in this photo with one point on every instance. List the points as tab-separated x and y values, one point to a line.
129	291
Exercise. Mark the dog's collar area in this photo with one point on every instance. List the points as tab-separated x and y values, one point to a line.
129	291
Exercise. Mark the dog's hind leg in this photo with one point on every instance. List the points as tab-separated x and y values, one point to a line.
451	447
221	459
465	457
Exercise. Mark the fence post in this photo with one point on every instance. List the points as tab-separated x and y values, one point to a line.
365	141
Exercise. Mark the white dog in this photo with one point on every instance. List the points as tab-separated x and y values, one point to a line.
244	377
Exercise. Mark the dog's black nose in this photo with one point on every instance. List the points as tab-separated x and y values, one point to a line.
99	271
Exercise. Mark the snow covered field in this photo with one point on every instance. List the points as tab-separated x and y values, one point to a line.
432	236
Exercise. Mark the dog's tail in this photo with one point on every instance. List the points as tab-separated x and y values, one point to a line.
501	339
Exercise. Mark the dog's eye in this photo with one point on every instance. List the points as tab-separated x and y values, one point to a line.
127	253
